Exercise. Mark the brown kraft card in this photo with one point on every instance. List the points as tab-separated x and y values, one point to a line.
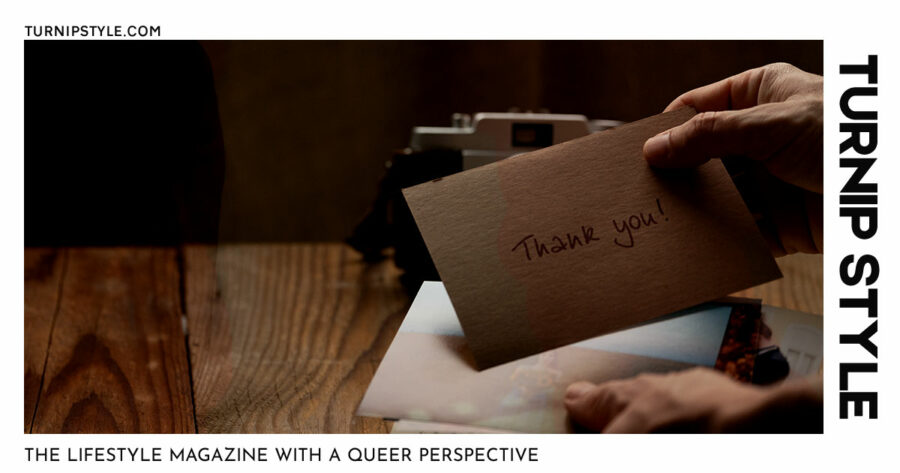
584	238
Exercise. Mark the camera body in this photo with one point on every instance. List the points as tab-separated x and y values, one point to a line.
494	136
436	152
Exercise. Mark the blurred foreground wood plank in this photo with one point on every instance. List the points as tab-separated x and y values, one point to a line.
116	360
44	270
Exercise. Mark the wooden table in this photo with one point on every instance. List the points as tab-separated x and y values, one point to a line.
234	338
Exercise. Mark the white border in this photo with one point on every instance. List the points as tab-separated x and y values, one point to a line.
851	30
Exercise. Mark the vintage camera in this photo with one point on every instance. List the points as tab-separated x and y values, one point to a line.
436	152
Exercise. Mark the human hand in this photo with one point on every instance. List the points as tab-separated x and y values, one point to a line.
771	117
696	400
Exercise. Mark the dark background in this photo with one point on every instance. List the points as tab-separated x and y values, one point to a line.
167	141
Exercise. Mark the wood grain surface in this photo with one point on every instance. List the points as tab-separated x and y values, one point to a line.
116	360
44	272
800	288
285	107
286	337
282	337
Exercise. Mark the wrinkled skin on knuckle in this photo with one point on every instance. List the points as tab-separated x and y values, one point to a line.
705	123
782	81
782	69
690	139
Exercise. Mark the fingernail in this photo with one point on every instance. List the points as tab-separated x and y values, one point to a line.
577	390
657	147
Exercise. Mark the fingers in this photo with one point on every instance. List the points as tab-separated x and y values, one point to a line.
630	421
593	406
694	400
736	92
754	133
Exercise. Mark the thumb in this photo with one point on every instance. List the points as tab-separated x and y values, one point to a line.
750	132
592	406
